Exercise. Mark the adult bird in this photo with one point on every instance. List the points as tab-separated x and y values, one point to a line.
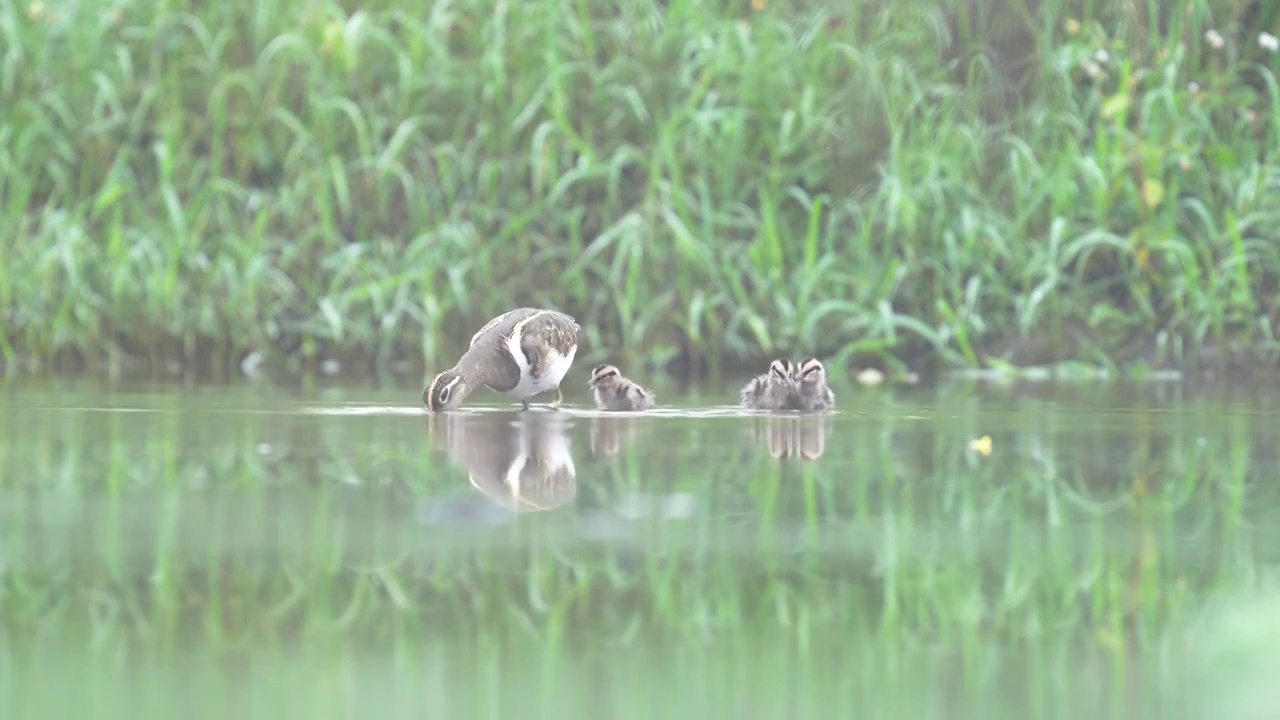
519	354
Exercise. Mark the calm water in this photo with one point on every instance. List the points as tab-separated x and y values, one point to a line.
331	552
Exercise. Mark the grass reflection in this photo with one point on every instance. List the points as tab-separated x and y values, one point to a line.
682	564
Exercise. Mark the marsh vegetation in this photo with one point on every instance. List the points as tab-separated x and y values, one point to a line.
935	182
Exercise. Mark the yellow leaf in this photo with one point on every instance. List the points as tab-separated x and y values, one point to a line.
1115	105
1109	640
1142	256
982	445
1152	192
870	376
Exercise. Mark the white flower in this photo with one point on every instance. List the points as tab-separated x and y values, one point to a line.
1214	39
1102	55
1193	86
1268	42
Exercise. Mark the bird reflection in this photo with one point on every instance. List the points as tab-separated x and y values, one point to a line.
787	436
520	461
610	434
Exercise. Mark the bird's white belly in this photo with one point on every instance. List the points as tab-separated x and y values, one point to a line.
529	386
555	456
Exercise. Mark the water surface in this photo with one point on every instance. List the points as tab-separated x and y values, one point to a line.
333	551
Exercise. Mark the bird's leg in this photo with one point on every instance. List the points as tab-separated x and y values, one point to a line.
555	404
525	403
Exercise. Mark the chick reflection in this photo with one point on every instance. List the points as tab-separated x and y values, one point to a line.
610	434
786	437
520	461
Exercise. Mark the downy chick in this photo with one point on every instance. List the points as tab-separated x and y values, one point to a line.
774	390
814	393
612	391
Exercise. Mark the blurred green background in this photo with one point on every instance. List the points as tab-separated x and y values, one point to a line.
922	184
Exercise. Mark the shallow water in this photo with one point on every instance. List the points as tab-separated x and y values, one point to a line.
320	551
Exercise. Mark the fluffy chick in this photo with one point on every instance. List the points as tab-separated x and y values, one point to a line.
775	389
814	393
612	391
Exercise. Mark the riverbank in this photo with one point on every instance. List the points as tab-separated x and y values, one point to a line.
913	187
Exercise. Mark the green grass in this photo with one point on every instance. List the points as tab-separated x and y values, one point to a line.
221	549
921	182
